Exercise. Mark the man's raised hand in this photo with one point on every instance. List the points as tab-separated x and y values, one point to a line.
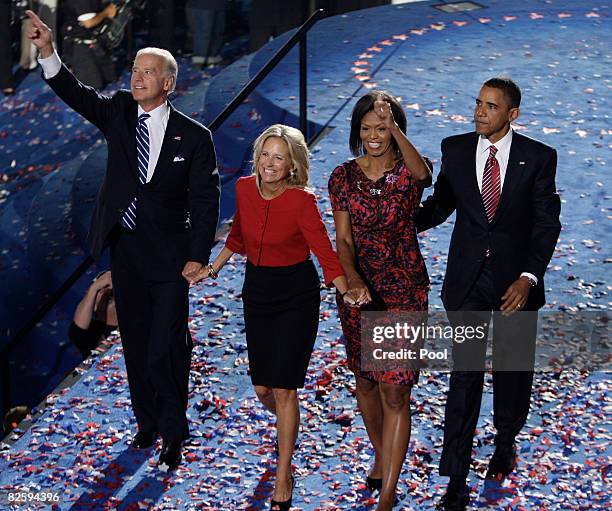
40	35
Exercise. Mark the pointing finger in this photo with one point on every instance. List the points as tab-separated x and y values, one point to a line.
33	16
36	21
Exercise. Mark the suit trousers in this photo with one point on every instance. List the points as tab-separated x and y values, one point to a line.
513	354
156	341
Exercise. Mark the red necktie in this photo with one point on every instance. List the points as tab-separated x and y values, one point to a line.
491	184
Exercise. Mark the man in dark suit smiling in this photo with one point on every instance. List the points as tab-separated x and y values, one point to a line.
157	210
502	186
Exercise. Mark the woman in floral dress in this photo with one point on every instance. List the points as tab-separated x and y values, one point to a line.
375	198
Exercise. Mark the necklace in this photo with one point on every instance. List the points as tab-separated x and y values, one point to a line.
371	186
374	190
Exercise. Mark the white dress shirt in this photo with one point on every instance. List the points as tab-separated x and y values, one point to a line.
156	124
502	156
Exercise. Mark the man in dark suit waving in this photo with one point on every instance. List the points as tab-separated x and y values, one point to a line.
157	210
502	186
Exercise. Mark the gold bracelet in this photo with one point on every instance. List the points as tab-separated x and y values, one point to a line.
211	272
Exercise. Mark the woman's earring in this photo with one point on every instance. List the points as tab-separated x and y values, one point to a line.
292	173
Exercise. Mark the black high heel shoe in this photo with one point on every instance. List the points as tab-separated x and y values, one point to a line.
373	483
285	505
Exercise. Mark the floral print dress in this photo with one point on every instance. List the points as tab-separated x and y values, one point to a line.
389	260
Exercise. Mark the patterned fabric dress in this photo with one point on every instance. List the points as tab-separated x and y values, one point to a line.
387	251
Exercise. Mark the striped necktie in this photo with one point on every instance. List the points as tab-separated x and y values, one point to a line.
491	184
142	152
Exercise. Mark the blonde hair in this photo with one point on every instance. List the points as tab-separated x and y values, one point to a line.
171	65
298	152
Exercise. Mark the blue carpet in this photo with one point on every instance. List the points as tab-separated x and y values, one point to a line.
557	51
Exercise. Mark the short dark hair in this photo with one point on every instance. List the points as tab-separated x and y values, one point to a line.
366	105
509	87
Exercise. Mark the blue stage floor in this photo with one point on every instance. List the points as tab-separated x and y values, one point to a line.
559	53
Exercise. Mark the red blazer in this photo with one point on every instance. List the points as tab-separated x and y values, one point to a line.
281	231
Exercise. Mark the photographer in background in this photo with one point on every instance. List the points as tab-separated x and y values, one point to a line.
95	316
90	62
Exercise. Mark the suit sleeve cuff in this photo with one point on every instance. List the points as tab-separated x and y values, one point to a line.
531	276
51	65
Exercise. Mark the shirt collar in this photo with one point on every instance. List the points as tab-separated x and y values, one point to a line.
157	114
501	145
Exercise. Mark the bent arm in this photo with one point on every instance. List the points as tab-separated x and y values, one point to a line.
412	158
85	310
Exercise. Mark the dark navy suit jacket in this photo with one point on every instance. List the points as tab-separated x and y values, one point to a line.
178	209
524	231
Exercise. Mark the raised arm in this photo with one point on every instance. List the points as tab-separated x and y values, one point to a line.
85	310
95	107
418	166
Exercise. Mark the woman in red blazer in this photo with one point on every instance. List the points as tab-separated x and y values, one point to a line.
277	224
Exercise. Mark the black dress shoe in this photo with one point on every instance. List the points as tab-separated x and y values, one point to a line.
143	439
502	462
454	500
170	456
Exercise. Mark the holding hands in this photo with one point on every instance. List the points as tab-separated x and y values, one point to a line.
192	271
358	293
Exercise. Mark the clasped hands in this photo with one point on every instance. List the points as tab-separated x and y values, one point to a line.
357	293
193	271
